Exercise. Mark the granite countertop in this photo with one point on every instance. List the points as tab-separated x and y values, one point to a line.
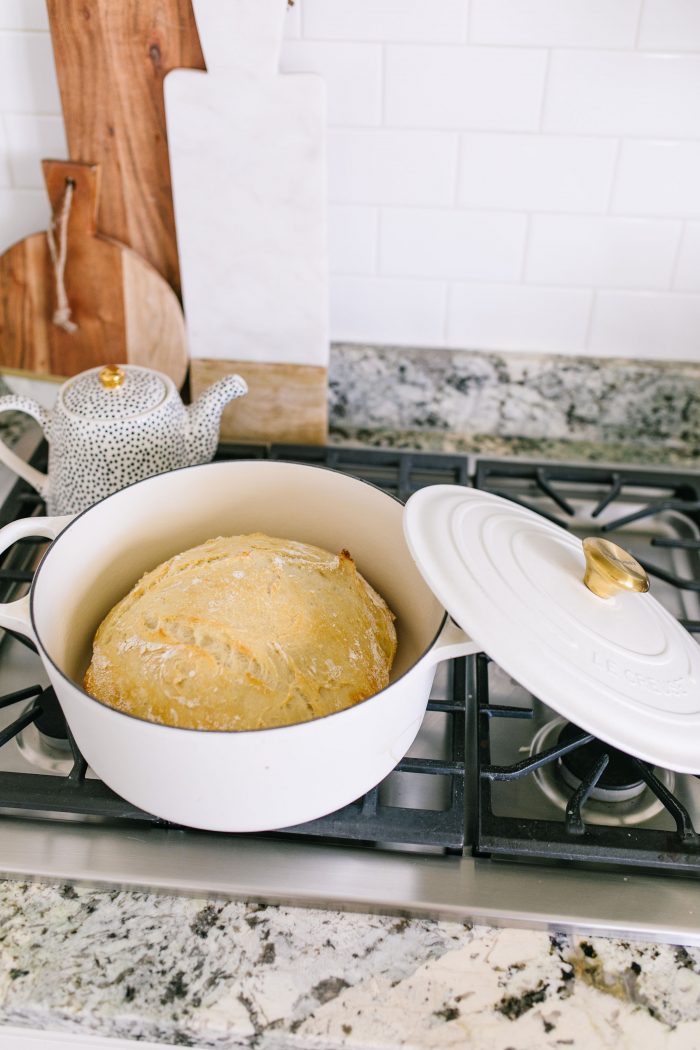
225	974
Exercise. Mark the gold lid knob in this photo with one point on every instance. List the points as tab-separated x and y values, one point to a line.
610	569
112	376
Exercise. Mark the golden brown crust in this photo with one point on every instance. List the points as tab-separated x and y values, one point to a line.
244	632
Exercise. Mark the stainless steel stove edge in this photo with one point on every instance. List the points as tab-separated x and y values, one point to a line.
462	889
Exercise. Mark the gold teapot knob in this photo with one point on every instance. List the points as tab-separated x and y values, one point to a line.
112	376
610	569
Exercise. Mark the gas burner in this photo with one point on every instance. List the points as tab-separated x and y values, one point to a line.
51	723
620	780
44	752
44	742
620	800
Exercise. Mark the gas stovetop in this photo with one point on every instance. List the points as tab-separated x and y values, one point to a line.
500	812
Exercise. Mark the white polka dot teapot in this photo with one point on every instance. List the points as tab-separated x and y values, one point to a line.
115	425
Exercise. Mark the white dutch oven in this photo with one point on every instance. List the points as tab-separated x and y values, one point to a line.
610	659
246	781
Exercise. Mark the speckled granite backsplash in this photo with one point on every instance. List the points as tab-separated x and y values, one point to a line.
545	406
510	404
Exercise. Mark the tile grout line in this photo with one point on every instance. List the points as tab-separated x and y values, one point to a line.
638	30
545	89
500	129
526	249
16	31
613	181
378	222
542	286
447	298
459	165
589	325
452	44
677	258
31	114
469	22
559	213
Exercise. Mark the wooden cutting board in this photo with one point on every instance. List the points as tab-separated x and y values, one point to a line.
111	58
124	310
247	150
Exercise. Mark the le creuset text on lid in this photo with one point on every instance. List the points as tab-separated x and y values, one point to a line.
621	667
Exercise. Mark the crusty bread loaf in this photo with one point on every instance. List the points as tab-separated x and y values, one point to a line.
244	632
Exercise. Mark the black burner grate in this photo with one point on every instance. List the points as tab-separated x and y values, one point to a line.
369	819
571	838
657	490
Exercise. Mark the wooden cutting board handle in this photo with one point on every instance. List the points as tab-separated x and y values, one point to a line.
58	174
122	308
111	58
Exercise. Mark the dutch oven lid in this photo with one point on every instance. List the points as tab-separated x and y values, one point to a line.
567	619
114	392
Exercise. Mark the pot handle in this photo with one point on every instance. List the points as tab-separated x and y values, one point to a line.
15	615
17	403
451	642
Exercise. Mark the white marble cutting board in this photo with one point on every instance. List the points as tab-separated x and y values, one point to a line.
247	151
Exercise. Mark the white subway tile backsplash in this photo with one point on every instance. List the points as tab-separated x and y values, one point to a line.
602	252
22	212
352	239
352	73
27	74
646	326
536	172
658	178
503	174
688	266
476	246
623	93
392	167
470	88
23	14
555	23
405	313
514	317
442	21
670	25
32	139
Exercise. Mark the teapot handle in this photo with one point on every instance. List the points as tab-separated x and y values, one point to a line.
15	402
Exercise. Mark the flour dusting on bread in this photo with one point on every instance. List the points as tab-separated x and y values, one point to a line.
244	632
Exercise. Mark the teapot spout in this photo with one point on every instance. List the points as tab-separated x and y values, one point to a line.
204	417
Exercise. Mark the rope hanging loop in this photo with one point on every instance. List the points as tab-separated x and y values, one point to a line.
59	228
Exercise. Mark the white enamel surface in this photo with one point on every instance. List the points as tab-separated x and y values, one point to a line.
237	781
141	391
15	615
622	668
247	157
